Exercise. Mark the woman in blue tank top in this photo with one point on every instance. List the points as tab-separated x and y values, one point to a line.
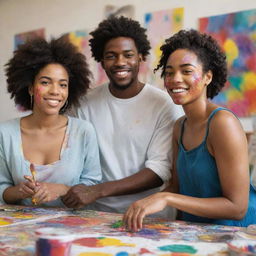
210	174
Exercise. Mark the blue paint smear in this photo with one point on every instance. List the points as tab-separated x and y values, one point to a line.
148	232
122	254
236	82
220	99
166	18
216	23
148	17
181	248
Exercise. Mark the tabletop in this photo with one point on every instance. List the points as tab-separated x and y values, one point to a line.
94	233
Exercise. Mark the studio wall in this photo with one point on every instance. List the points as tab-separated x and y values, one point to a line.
62	16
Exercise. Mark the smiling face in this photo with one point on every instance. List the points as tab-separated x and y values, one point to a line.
50	89
184	78
121	62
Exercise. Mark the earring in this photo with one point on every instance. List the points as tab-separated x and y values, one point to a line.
63	109
31	101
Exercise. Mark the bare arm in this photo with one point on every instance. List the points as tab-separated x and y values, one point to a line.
143	180
81	195
14	194
228	144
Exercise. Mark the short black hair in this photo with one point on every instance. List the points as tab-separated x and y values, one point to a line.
208	52
118	27
37	53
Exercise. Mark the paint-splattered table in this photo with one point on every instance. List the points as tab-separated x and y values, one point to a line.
102	234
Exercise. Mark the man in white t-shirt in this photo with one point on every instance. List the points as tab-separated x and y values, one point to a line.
133	122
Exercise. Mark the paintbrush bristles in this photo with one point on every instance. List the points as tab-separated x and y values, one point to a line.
33	171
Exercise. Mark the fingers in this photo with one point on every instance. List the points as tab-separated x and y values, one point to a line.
72	203
70	199
76	197
29	178
27	188
134	218
24	191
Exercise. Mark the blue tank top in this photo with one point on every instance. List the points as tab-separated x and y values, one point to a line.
198	177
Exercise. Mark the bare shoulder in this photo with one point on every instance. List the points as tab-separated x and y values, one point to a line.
225	125
225	119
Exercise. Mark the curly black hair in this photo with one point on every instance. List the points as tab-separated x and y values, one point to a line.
208	52
37	53
118	27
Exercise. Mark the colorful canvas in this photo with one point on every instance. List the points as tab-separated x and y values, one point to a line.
80	39
10	216
103	234
23	37
236	33
160	25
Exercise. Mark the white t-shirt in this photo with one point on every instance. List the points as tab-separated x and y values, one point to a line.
133	134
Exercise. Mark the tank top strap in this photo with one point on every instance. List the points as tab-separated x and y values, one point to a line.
182	130
210	118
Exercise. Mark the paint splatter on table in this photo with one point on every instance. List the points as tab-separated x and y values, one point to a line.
102	234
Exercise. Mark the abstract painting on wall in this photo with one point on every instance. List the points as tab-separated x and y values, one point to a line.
23	37
236	33
160	25
126	10
80	39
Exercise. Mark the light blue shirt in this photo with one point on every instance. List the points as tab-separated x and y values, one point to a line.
79	158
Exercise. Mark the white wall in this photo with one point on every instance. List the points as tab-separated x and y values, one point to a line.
61	16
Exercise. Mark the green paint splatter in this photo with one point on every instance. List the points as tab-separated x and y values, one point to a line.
117	224
178	248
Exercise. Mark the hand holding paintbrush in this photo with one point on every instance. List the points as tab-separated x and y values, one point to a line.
33	173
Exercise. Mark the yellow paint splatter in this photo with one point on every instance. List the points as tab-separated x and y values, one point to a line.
77	41
4	222
94	254
177	22
253	36
231	51
234	95
113	242
157	52
23	216
249	81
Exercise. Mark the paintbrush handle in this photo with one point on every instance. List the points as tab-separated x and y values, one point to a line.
33	173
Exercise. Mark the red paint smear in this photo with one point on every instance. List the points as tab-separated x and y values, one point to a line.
89	242
71	221
239	107
251	96
6	220
251	63
203	24
143	250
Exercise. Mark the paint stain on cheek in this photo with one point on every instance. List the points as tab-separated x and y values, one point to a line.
167	82
196	78
187	59
38	93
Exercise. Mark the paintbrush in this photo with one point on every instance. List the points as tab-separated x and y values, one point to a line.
33	173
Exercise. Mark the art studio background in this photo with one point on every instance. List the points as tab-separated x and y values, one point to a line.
231	22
